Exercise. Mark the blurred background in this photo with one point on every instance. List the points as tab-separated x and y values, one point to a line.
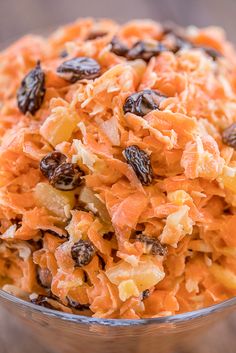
22	16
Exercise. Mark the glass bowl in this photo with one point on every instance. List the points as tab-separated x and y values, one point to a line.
66	333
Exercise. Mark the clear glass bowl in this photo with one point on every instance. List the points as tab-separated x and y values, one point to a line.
66	333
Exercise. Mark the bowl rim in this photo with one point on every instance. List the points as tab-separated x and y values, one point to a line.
172	319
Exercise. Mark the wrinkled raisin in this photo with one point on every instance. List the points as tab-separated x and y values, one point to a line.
145	294
42	300
82	253
79	69
145	50
229	136
143	102
31	93
50	162
44	277
118	48
140	162
96	34
67	176
77	306
154	246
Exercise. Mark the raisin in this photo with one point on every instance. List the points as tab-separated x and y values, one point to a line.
140	162
118	48
229	136
145	50
145	294
82	253
44	277
50	162
143	102
96	34
42	300
154	246
67	176
31	93
79	69
77	306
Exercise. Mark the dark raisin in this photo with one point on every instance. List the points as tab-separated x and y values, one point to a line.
63	53
44	277
50	162
82	253
229	136
96	34
67	176
145	294
154	246
31	93
108	235
213	53
140	162
79	69
42	300
143	102
77	306
118	48
145	50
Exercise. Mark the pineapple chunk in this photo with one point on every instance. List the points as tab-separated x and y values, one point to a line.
92	202
59	126
128	289
224	276
146	274
179	197
57	202
229	182
227	179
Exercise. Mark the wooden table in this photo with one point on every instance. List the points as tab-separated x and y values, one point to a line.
22	16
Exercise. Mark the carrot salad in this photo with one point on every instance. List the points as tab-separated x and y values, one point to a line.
118	169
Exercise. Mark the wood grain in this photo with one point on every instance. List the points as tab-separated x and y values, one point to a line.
19	17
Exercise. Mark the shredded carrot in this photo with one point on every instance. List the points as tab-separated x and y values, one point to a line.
119	235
